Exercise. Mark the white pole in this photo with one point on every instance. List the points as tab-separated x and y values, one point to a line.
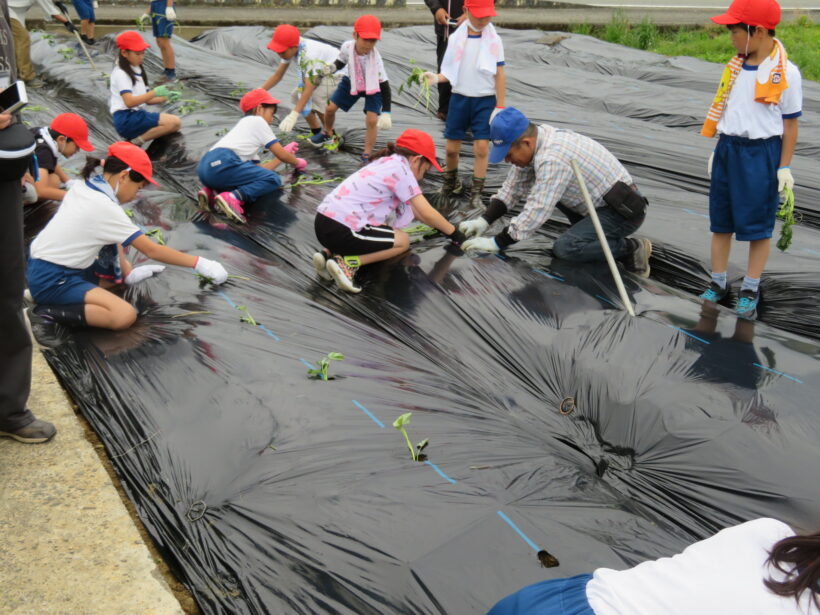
602	238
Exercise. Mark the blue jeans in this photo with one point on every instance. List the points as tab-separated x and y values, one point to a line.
580	243
223	171
551	597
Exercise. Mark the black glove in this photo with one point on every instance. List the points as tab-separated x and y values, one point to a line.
69	26
63	8
457	237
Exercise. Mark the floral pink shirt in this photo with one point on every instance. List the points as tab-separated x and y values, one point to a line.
377	194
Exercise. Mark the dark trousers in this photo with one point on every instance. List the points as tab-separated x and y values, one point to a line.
580	242
15	343
444	89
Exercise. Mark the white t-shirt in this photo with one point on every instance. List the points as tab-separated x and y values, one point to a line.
121	83
250	134
743	117
308	57
722	575
86	220
19	8
471	81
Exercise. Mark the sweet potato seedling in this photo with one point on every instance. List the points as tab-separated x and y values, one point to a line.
417	78
786	213
401	424
320	373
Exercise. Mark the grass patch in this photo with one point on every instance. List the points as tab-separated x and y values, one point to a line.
709	43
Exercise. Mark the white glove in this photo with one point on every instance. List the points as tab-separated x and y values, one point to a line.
328	69
495	112
784	179
144	19
211	269
384	123
474	228
480	244
29	193
709	164
430	78
170	13
143	272
289	122
95	4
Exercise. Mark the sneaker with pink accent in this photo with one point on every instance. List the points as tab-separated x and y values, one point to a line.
231	206
205	198
343	270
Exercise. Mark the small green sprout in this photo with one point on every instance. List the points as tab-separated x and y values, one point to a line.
129	212
320	373
35	108
221	132
401	424
157	235
66	52
239	90
201	123
247	317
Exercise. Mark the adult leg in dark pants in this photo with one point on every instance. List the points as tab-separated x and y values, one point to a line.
580	242
15	344
444	88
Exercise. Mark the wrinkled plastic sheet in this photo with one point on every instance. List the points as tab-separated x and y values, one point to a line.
269	492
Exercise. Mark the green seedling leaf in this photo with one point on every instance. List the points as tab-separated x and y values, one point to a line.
129	213
35	108
335	356
247	317
401	423
157	235
201	123
786	214
221	132
421	446
321	372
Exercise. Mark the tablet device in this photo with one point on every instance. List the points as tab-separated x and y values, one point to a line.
13	98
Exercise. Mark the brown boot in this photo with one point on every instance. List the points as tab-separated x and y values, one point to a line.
475	193
452	184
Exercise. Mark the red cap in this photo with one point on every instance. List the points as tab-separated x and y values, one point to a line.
135	157
480	8
368	26
284	37
74	127
130	40
421	143
256	97
764	13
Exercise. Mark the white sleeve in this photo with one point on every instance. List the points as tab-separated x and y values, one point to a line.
791	103
344	52
48	8
500	50
117	227
263	131
382	72
120	82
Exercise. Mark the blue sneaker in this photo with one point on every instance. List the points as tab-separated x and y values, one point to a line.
715	293
747	304
319	139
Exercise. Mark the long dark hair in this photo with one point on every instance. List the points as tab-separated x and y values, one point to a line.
393	149
125	65
798	557
112	165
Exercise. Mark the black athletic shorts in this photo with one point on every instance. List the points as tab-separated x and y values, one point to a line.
342	240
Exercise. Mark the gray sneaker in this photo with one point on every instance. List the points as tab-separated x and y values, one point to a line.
638	261
34	433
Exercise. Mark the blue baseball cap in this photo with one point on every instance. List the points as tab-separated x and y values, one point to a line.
505	128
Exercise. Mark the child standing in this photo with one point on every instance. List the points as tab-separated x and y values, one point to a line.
366	78
130	94
755	116
316	81
231	172
80	252
66	134
474	66
85	10
163	20
358	223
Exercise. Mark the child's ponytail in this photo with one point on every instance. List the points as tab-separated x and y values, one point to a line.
109	165
391	149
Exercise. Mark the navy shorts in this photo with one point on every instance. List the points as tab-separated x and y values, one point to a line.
343	99
52	284
162	27
551	597
132	123
469	113
85	9
743	196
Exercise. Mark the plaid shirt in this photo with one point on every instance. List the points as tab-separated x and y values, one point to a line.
549	178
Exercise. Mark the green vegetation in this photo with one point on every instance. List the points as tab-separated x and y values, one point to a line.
320	373
709	43
401	424
786	214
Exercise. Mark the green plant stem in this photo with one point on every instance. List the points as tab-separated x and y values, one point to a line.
409	444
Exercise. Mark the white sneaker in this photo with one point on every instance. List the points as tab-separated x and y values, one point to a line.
320	263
